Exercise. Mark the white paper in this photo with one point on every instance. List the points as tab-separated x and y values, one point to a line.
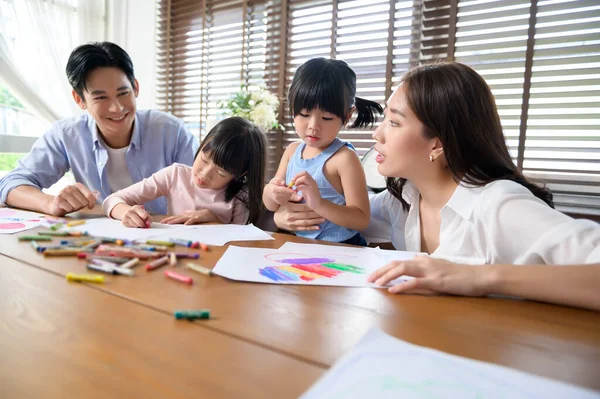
105	227
219	234
381	257
381	366
305	264
13	220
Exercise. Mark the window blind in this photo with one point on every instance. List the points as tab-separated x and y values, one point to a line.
541	59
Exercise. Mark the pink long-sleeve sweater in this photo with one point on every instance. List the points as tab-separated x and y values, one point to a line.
176	183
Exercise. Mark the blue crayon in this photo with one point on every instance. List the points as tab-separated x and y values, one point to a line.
183	243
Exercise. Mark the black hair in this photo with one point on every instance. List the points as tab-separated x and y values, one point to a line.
330	85
88	57
455	104
239	146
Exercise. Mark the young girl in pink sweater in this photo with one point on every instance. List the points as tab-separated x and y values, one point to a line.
224	185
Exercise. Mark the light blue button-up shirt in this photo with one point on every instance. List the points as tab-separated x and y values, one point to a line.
158	140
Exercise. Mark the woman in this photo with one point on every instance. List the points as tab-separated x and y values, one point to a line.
442	148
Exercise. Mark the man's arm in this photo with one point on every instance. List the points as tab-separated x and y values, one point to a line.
45	164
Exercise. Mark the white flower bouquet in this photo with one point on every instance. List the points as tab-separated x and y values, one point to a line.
258	106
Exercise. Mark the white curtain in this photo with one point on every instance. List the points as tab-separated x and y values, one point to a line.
36	38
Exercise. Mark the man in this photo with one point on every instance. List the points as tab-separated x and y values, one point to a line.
108	148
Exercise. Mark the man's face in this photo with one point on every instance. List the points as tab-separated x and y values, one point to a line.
111	101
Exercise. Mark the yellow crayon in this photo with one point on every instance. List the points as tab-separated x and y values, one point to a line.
90	278
291	185
161	243
75	223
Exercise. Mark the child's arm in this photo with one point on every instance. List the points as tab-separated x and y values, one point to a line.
355	214
276	191
121	204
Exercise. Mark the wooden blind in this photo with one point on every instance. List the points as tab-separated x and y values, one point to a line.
375	38
541	59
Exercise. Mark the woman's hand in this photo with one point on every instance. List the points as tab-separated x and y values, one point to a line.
297	217
192	217
433	275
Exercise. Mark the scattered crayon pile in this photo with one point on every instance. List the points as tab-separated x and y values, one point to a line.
114	256
117	256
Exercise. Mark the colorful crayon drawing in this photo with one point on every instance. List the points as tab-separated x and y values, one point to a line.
306	268
13	221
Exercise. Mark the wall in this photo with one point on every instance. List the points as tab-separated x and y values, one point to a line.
132	25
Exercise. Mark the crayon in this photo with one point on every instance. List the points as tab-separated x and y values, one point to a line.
63	252
157	263
90	278
186	256
54	233
179	277
35	238
75	223
130	263
200	269
106	268
183	243
101	268
192	314
172	259
114	259
291	185
162	243
56	226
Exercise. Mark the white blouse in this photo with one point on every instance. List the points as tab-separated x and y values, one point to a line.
502	222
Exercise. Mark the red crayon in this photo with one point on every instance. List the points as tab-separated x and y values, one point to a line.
179	277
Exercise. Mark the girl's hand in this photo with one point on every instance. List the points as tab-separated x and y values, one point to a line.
310	190
136	216
432	276
281	193
192	217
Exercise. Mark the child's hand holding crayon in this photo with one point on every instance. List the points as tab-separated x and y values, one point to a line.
132	216
282	192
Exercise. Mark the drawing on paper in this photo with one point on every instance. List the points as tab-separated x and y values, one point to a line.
296	267
12	221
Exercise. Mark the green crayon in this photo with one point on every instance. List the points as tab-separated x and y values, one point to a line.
35	238
192	314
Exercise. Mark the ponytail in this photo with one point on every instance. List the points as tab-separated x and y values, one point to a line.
367	112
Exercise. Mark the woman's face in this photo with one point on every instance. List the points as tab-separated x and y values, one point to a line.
403	150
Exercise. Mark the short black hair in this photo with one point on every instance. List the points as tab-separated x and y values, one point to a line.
330	85
88	57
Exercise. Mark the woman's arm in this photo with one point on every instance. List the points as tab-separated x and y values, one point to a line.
573	285
293	216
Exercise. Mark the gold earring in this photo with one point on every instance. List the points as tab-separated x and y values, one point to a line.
431	158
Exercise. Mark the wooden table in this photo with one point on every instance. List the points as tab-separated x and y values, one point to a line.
316	325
